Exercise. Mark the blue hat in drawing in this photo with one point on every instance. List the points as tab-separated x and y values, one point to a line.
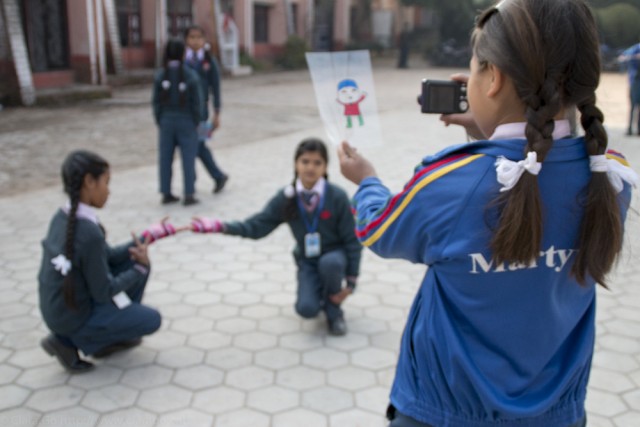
347	83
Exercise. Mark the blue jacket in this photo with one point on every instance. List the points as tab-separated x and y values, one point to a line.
177	101
487	344
209	74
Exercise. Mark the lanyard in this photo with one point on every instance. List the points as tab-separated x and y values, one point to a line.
311	227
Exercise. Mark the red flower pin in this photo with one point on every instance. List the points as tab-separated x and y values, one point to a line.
325	214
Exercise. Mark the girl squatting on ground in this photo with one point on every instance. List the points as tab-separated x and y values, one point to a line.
318	213
90	292
517	229
177	109
200	60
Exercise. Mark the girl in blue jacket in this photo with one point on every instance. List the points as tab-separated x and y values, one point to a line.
516	230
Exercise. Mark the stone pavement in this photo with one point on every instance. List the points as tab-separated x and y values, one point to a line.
231	351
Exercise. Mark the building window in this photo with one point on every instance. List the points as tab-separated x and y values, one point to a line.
179	16
260	23
129	22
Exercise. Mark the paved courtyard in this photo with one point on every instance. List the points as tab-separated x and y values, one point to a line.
231	351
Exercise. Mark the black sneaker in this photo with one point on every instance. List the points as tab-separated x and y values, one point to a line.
190	200
338	326
220	183
169	198
116	347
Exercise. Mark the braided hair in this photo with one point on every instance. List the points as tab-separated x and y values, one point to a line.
307	145
549	49
174	51
75	167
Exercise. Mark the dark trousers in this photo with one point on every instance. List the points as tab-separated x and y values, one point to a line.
206	156
109	325
398	419
177	131
317	279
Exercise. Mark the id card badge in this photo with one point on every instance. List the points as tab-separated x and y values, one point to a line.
312	247
121	300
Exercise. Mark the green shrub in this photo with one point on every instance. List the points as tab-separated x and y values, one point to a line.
618	24
293	56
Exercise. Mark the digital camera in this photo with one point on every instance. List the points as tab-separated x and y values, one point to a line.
443	97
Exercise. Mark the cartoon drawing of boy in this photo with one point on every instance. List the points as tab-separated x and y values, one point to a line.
350	96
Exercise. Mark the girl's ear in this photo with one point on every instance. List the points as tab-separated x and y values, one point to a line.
88	181
497	80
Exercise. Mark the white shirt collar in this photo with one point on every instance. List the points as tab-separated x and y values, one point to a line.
562	129
191	54
318	187
84	211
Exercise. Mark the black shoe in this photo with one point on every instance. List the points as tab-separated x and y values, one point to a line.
338	326
220	183
169	198
190	200
116	347
67	356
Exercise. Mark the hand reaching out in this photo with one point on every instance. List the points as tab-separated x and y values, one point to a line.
338	298
206	225
159	231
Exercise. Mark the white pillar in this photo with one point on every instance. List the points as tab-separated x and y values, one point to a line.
102	53
19	51
91	29
248	27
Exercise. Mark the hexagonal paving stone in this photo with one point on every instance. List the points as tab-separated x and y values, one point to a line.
164	398
102	376
259	311
19	417
374	399
30	358
138	356
12	395
185	418
131	417
255	341
279	325
367	326
609	381
633	399
615	361
180	357
325	358
209	340
357	418
629	419
107	399
198	377
147	376
44	376
54	398
178	311
273	399
228	358
604	404
218	400
243	418
301	341
235	326
217	311
327	400
165	339
374	358
202	298
300	417
350	342
351	378
300	378
190	325
70	417
387	340
277	358
249	378
8	374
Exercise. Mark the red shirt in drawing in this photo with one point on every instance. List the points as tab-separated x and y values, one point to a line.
352	108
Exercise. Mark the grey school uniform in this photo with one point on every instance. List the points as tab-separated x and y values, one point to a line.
319	276
99	272
177	110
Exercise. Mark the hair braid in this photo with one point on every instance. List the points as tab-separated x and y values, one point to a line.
73	190
164	94
600	238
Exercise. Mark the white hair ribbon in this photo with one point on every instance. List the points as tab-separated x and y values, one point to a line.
166	84
509	172
616	171
61	264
